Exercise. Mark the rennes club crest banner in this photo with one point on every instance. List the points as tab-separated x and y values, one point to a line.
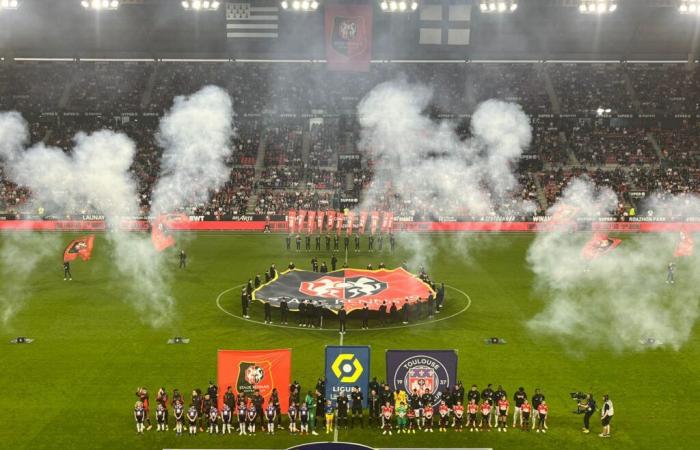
347	367
348	37
423	370
248	370
350	288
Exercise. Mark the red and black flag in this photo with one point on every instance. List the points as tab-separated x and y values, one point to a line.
81	247
599	245
351	288
684	246
160	230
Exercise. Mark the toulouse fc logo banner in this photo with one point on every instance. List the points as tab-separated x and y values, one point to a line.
428	371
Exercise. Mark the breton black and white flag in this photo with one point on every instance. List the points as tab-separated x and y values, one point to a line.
444	23
252	19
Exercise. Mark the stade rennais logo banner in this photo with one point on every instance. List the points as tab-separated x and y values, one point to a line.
346	367
248	370
423	370
348	37
351	288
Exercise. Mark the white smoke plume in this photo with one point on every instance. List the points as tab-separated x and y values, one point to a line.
619	300
196	138
22	252
425	163
96	176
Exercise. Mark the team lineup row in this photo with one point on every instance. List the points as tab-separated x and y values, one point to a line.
389	411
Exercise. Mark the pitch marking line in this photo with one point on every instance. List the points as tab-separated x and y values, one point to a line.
428	322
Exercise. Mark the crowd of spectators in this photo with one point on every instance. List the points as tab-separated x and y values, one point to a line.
587	87
636	158
603	144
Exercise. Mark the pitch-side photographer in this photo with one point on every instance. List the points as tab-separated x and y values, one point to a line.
588	407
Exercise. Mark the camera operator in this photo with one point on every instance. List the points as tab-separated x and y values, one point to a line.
588	406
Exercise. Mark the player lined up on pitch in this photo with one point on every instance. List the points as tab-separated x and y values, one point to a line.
333	243
385	409
358	288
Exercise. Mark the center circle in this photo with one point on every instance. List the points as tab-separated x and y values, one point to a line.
333	330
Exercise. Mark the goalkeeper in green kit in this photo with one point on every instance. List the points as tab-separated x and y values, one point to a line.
311	405
401	419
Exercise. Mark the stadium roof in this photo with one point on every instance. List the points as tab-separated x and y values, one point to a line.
537	30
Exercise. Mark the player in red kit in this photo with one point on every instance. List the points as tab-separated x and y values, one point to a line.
428	418
444	412
485	414
411	415
503	406
472	410
525	408
458	410
387	413
542	411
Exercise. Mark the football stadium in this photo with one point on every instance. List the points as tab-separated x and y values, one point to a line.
349	224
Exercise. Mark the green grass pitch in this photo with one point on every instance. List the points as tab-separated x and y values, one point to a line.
74	386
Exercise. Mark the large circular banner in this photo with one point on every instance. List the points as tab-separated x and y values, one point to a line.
350	288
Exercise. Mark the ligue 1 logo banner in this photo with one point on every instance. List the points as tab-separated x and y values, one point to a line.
423	370
346	367
249	370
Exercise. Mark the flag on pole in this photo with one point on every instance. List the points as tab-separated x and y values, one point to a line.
312	221
81	247
363	221
319	221
444	23
339	222
351	217
330	222
160	234
684	246
255	19
599	245
292	220
300	220
375	222
388	222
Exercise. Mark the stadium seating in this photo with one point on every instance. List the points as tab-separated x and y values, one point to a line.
294	119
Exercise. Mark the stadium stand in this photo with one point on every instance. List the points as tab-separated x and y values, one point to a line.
293	123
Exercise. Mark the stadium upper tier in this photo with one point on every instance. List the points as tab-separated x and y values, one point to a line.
633	127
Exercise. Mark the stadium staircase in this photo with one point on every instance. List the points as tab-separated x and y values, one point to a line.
573	160
259	166
65	95
637	107
541	197
148	92
305	146
553	99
